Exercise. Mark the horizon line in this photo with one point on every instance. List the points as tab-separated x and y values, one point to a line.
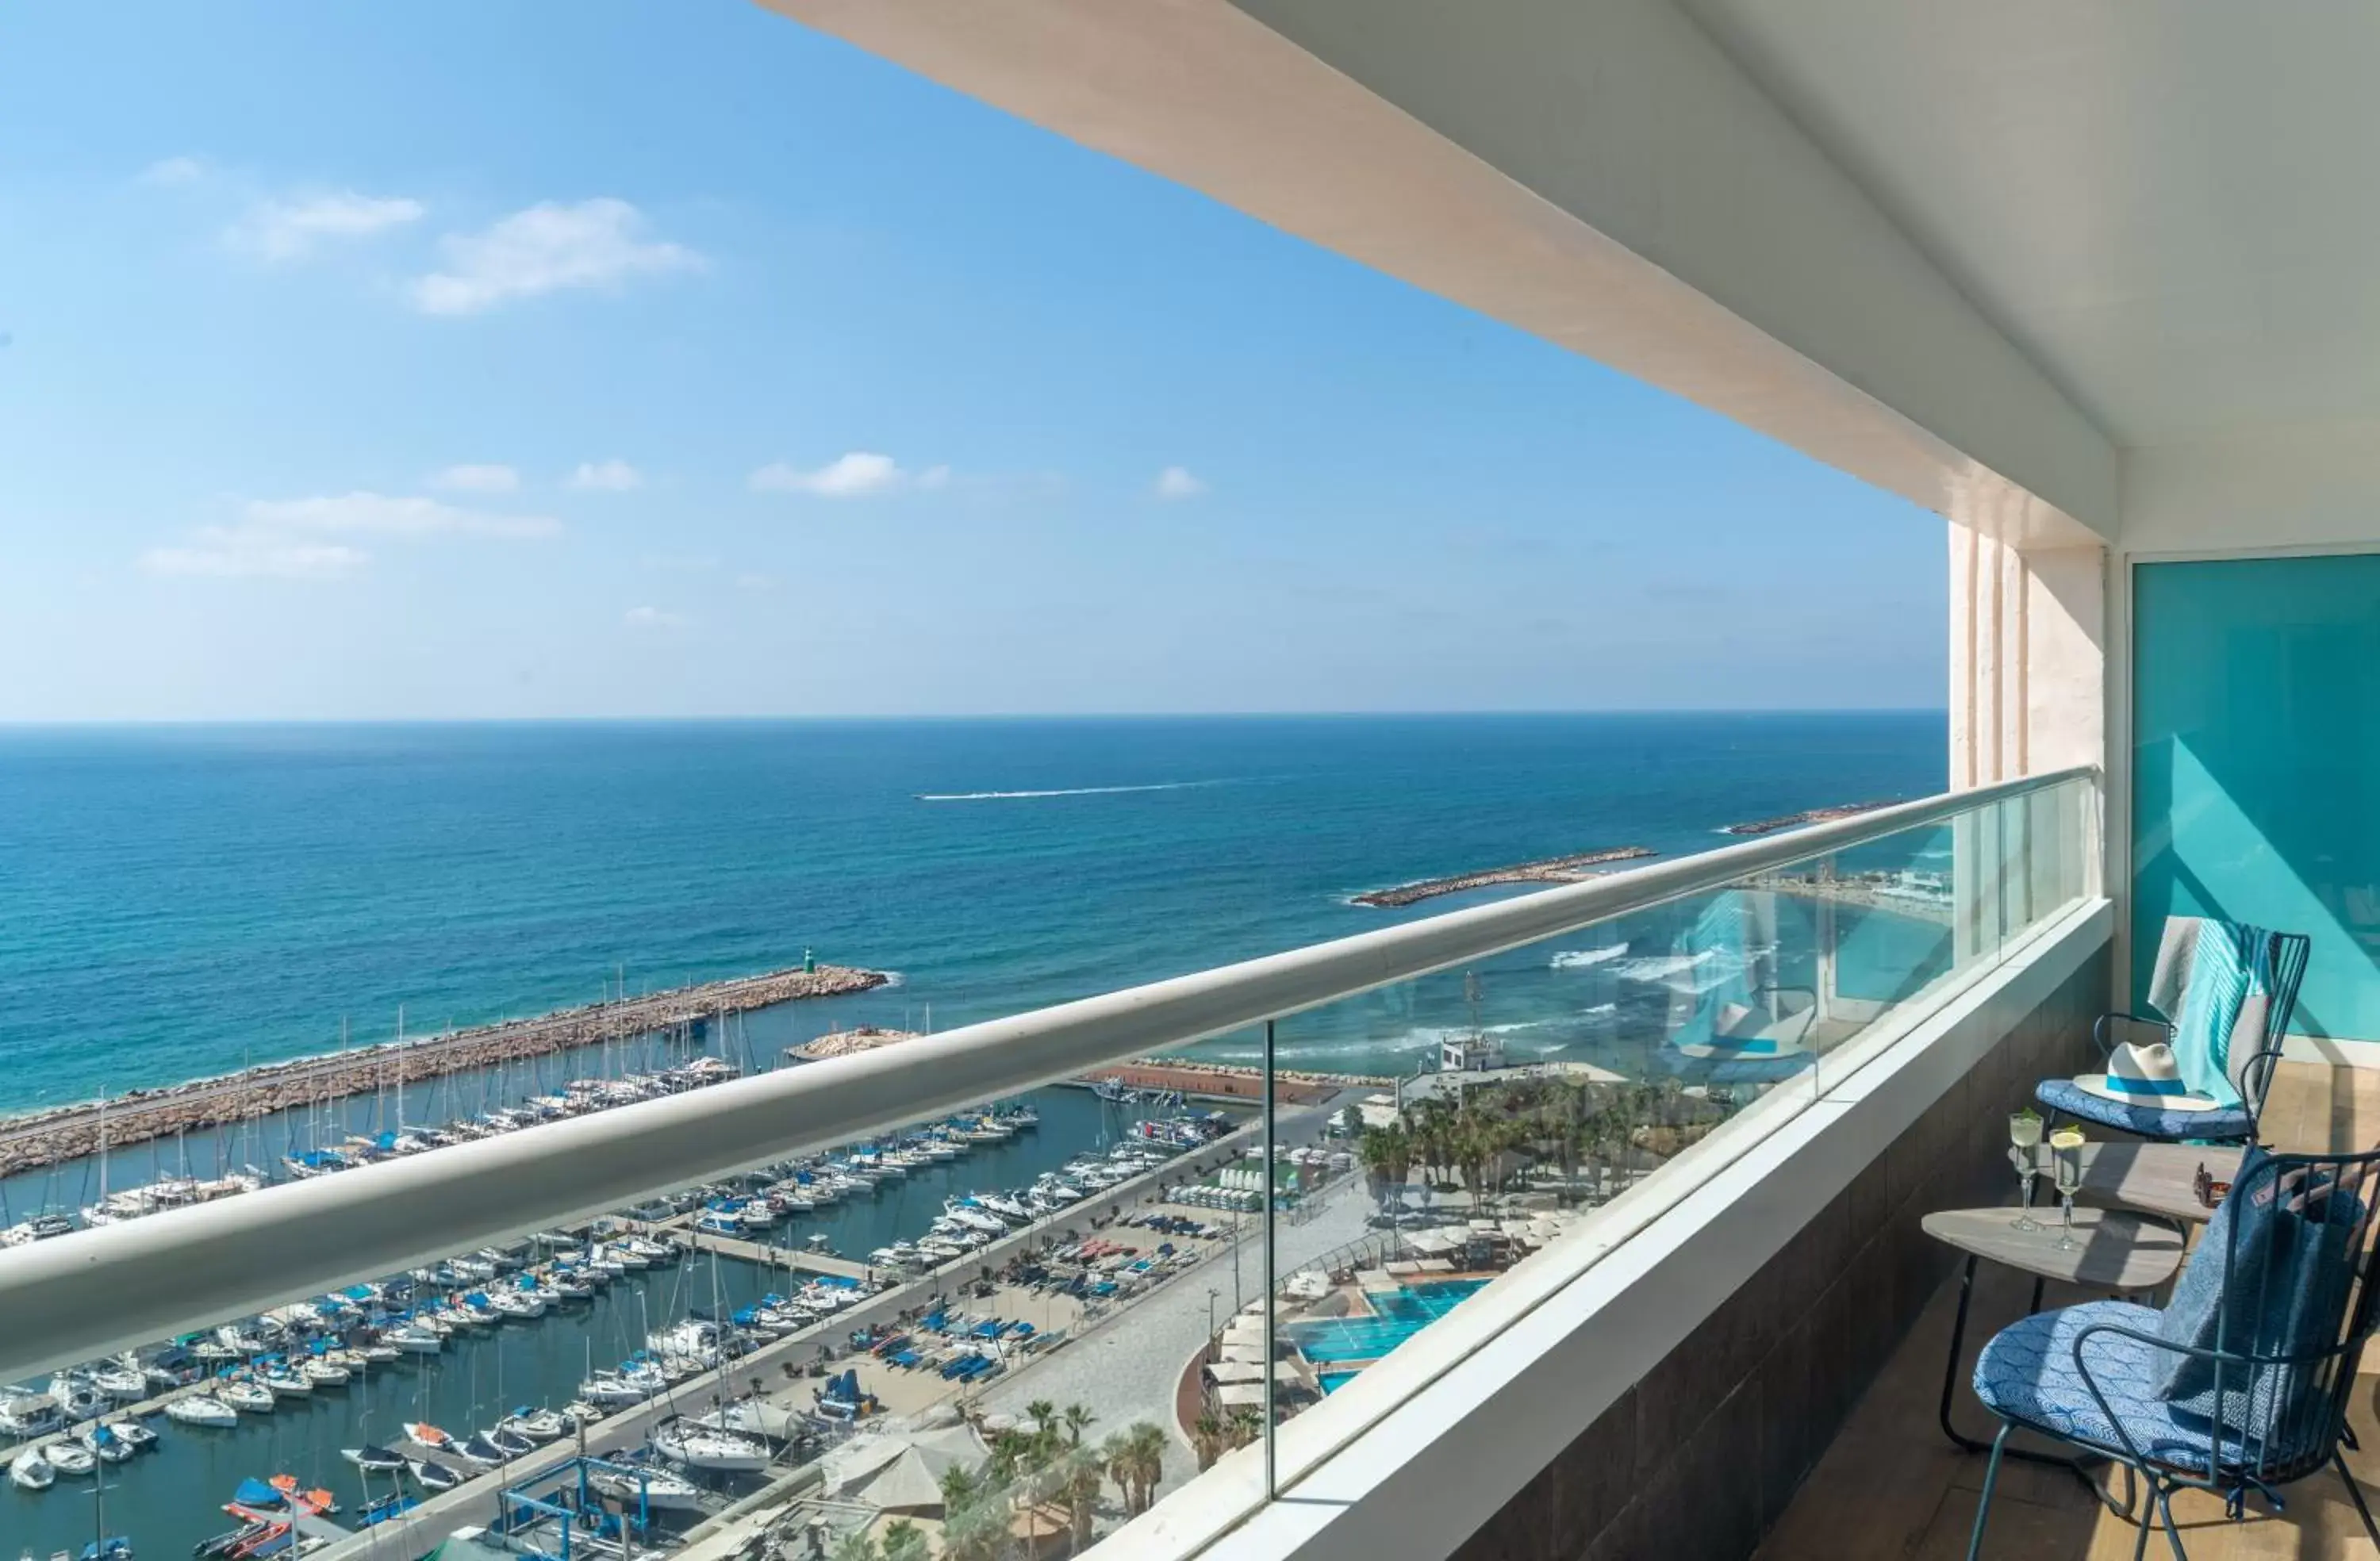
94	723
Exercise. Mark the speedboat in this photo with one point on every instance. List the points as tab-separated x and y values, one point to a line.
482	1451
374	1459
202	1409
536	1425
31	1471
70	1457
658	1489
434	1476
427	1435
716	1451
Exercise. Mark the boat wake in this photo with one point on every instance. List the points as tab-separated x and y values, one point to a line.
1065	792
1584	959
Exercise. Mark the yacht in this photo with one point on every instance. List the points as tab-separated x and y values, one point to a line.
374	1459
536	1425
202	1409
718	1452
102	1443
248	1397
70	1457
434	1476
657	1489
31	1471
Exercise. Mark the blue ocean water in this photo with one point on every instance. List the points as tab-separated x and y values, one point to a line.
180	901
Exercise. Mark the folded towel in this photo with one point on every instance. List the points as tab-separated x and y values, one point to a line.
2214	981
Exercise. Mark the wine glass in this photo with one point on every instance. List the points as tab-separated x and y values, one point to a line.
2066	1165
2024	1144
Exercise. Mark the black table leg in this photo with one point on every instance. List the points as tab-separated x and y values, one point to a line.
1968	1444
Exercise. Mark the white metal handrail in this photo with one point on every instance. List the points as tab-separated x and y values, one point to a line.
77	1297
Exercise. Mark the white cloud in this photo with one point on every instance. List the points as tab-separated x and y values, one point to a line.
856	475
606	476
1176	482
392	515
172	170
289	229
477	478
545	249
248	551
753	580
652	618
287	539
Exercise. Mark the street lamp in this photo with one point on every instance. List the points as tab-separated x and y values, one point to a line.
1212	1295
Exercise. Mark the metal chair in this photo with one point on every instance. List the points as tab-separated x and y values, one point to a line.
2279	970
2240	1384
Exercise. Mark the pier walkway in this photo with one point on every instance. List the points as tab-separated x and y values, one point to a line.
423	1528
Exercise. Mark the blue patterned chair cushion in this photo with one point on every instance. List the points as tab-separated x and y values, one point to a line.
2027	1374
2063	1095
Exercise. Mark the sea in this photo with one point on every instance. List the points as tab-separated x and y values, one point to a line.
184	901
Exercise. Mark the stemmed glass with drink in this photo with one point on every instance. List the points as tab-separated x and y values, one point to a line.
2024	1144
2066	1168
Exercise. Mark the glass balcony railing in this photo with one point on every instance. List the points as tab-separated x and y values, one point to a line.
1000	1290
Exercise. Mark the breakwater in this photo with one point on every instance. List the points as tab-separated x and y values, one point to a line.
1807	816
1549	870
67	1132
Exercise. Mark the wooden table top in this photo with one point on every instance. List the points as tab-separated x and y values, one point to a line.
2159	1179
2113	1250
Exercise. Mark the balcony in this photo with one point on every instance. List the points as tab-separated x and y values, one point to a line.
1891	1485
1284	1324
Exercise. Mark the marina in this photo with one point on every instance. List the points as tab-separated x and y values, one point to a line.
49	1138
504	1357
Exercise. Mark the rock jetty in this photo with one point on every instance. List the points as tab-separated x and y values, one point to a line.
1551	870
69	1132
844	1043
1808	815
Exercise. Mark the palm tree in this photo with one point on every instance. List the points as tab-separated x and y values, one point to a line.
903	1540
858	1546
1078	1486
1206	1440
1387	1153
1078	1419
1135	1458
1042	1413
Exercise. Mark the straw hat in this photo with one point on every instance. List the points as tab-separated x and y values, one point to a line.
2146	1076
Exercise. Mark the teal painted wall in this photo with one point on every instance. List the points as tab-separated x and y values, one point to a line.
2256	765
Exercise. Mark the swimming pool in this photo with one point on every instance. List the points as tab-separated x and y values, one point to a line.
1333	1381
1399	1315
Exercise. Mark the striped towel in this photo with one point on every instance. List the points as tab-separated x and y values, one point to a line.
2214	981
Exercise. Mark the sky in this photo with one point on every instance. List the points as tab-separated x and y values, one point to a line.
457	361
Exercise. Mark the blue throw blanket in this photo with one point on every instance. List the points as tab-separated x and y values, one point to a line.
2208	983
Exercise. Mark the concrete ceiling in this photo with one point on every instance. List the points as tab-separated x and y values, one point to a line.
2173	208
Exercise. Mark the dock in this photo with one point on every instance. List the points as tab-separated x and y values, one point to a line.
419	1529
1545	870
69	1132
